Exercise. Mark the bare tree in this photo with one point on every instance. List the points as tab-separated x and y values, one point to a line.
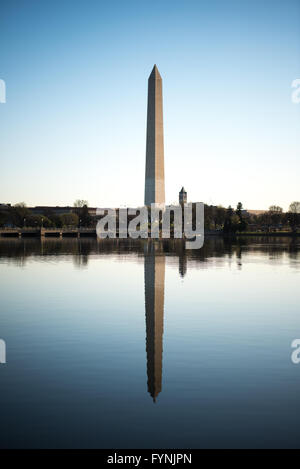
294	207
275	209
79	203
294	215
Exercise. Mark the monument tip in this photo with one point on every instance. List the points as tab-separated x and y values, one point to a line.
155	73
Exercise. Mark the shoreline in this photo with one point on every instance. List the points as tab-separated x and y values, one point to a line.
60	233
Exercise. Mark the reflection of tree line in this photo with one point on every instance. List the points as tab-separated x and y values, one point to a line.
19	249
154	254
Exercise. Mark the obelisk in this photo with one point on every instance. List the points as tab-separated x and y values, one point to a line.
155	172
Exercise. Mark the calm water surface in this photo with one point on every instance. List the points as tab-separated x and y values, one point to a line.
145	345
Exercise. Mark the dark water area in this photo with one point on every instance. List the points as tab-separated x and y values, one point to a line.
140	344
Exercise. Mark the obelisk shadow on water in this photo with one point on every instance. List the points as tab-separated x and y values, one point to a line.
154	310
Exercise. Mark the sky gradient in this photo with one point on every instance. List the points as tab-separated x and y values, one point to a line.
74	124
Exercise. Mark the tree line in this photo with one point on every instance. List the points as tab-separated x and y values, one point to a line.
231	220
228	220
20	216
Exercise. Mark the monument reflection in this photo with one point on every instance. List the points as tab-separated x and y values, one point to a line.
154	311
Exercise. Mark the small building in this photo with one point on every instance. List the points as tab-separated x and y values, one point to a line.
182	196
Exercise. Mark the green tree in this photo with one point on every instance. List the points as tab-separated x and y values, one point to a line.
53	217
82	211
294	215
208	216
276	214
19	213
38	221
228	221
242	224
69	219
85	217
239	208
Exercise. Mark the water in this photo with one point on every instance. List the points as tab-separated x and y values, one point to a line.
144	345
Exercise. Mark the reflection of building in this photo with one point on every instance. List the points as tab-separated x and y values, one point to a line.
154	306
182	196
182	265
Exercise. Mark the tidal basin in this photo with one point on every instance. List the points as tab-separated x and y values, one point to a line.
144	344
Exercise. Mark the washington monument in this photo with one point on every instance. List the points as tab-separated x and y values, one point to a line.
155	172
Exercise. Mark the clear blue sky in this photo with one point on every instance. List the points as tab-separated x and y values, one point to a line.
74	123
